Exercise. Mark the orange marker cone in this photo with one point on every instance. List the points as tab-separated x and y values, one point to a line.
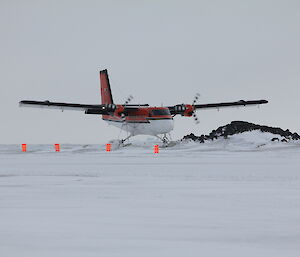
57	147
156	149
108	147
24	147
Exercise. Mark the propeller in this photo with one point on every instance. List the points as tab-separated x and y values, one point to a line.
129	99
196	118
196	98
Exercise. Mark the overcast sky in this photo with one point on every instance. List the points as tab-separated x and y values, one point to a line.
161	52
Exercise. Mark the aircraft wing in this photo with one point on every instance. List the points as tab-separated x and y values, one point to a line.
87	108
188	110
230	104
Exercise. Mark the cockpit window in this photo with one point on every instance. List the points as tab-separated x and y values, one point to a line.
160	112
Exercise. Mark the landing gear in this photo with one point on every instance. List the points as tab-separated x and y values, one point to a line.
117	143
166	140
122	141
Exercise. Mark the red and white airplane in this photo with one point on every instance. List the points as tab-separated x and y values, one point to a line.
136	119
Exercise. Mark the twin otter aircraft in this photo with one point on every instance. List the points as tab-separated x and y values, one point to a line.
136	119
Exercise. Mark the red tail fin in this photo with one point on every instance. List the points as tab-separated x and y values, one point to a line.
106	96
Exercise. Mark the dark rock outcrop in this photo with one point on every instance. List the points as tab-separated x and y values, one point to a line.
236	127
275	139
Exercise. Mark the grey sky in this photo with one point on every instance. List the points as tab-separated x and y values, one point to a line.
158	51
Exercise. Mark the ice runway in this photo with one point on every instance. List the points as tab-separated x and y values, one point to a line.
190	200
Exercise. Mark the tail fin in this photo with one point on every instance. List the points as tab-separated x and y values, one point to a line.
106	96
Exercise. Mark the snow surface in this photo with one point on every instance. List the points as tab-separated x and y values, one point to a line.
234	197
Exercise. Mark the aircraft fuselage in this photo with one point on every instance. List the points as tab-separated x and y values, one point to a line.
143	121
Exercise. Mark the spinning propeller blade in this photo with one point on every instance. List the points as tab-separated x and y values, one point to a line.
129	99
196	98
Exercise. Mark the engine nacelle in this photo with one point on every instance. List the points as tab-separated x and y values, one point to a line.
105	109
184	109
119	110
110	108
179	108
189	110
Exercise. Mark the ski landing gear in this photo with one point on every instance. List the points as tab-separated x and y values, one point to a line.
117	143
166	140
122	142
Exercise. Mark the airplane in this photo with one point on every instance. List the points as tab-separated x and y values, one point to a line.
137	119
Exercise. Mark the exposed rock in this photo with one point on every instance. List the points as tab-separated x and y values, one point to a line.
236	127
275	139
201	139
